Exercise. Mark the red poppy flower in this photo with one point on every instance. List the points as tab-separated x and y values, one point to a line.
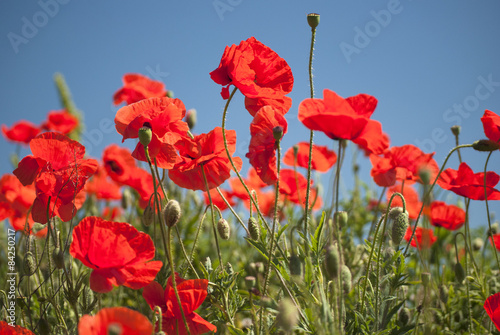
496	241
449	217
294	186
424	237
346	119
253	182
192	294
217	199
257	71
117	252
137	87
22	132
471	185
121	319
61	121
323	158
111	213
7	329
164	117
413	204
205	151
262	148
254	104
491	125
102	187
59	171
402	163
492	307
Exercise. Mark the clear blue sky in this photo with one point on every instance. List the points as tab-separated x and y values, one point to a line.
421	59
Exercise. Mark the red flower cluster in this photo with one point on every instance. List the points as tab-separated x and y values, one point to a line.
347	119
323	158
59	171
263	77
293	185
115	320
471	185
103	187
117	252
192	293
137	87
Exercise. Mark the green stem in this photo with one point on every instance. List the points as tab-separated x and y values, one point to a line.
233	211
488	209
213	215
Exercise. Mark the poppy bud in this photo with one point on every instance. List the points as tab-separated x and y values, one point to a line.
223	229
148	216
278	132
191	118
404	316
494	229
341	219
477	244
332	261
44	327
295	263
29	263
426	279
485	145
250	282
456	130
208	264
425	175
258	267
288	315
126	198
313	20
399	227
459	272
172	213
115	329
29	242
145	135
295	150
253	229
346	279
58	257
170	94
394	212
443	293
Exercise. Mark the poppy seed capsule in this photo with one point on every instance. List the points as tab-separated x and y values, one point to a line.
485	145
399	227
278	132
191	118
346	279
341	218
58	257
29	263
223	229
145	135
313	20
332	261
477	244
172	213
148	216
253	229
456	130
443	293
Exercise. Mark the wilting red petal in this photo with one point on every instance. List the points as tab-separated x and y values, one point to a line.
22	132
492	307
323	158
127	321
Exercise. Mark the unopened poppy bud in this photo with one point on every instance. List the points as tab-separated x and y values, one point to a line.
44	327
29	242
295	263
443	293
115	329
145	135
494	229
459	272
223	229
332	261
456	130
172	213
313	20
253	228
341	219
148	216
29	263
426	279
346	279
170	94
295	150
288	315
250	282
58	257
399	227
485	145
191	118
126	198
208	264
404	316
258	267
394	212
425	175
477	244
278	132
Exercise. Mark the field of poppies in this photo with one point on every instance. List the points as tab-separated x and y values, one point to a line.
173	238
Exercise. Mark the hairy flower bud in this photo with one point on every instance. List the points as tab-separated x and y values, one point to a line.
191	118
145	135
332	261
404	316
172	213
58	257
459	272
253	228
456	130
485	145
443	293
278	133
296	266
341	218
223	229
477	244
399	227
313	20
346	279
29	263
148	216
288	315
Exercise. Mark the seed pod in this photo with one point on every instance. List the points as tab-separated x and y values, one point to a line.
44	327
399	227
296	266
459	272
443	293
341	218
477	244
485	145
278	133
425	175
288	315
29	263
126	198
253	229
394	212
404	316
145	136
224	229
250	282
332	261
346	279
172	213
456	130
58	257
313	20
148	216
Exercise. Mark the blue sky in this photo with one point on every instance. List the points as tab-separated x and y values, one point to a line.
431	64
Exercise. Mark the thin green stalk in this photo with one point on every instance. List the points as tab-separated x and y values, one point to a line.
213	215
233	211
488	209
